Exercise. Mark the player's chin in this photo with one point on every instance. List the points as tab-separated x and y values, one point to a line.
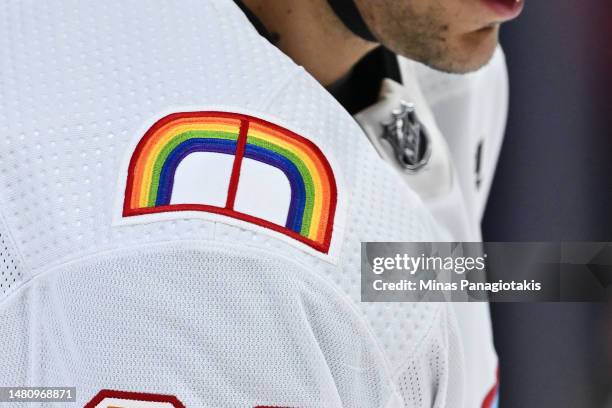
470	52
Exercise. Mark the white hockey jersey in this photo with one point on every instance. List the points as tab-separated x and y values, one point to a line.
181	212
465	116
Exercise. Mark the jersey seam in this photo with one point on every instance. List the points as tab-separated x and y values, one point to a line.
20	258
12	239
403	366
265	101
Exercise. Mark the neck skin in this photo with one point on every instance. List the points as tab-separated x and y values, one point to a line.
310	33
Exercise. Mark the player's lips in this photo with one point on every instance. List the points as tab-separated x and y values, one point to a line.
506	9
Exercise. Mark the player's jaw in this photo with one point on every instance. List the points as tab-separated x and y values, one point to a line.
471	41
451	35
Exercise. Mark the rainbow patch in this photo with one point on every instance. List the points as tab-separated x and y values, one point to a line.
153	165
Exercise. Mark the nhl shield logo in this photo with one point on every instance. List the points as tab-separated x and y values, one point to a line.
408	137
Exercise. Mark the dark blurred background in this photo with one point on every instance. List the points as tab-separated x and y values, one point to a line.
553	184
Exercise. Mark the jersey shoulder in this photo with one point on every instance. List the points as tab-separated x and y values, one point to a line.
100	92
183	138
202	132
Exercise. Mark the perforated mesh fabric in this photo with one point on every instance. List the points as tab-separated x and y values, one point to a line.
81	80
11	273
435	376
379	211
214	328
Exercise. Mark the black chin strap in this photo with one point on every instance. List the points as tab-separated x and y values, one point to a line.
347	11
